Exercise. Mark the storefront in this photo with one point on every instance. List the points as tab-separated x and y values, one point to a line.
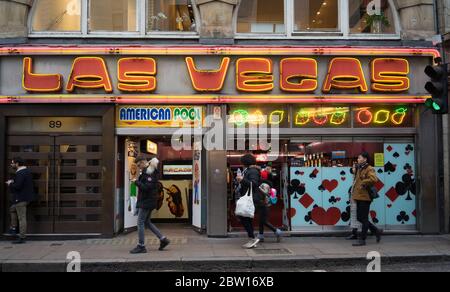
96	108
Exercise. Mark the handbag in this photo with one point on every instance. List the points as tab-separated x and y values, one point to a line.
244	206
373	193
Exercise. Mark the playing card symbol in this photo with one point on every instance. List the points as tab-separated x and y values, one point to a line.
291	213
298	172
409	149
389	167
380	171
402	217
396	155
296	188
324	217
406	186
342	173
345	216
308	218
332	200
314	173
329	185
373	215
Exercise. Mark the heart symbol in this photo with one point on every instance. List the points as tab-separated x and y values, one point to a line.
291	213
338	199
330	185
389	206
302	173
326	218
407	152
343	178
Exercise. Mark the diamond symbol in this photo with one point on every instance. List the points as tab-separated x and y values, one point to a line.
389	148
379	185
306	200
392	194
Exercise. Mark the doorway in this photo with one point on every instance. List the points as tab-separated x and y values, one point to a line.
67	175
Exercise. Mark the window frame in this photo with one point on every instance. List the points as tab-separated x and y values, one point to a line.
342	33
141	20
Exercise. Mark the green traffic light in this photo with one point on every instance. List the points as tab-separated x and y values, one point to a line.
436	106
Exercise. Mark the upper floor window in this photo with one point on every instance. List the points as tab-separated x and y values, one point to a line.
315	15
261	16
113	16
371	17
117	15
57	15
348	18
170	15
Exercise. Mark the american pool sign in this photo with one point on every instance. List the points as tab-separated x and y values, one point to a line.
159	116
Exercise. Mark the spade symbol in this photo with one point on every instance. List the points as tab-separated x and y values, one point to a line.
396	155
342	173
380	171
389	167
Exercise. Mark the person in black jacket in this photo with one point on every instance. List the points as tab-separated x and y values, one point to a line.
149	191
21	188
251	178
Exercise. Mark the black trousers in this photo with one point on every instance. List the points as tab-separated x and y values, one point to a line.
248	225
363	209
263	212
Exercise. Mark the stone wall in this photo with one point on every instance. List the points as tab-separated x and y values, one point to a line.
217	18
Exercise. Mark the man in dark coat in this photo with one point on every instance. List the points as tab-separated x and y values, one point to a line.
147	201
21	188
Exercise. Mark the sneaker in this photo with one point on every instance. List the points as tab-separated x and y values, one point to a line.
19	241
164	243
261	237
248	244
138	249
254	243
278	234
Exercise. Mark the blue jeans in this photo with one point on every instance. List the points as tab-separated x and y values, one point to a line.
144	221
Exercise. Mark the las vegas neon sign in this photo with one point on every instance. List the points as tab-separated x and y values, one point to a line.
252	75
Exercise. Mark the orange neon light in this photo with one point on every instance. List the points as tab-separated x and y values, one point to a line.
137	74
364	116
39	82
89	72
399	116
345	73
390	75
208	80
254	75
219	50
305	69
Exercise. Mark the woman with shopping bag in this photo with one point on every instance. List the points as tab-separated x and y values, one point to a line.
249	193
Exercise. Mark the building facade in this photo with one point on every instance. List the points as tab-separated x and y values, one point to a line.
87	86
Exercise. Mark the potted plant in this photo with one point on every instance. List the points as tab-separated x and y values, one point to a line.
376	22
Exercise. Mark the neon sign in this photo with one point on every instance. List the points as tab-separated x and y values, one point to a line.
241	117
322	117
252	75
385	117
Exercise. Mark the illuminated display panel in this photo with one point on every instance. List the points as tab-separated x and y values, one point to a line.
383	116
318	117
244	115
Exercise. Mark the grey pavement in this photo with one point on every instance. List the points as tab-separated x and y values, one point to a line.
191	251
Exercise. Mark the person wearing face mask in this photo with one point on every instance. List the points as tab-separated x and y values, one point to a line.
147	201
365	178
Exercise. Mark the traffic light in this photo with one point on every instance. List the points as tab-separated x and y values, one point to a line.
438	87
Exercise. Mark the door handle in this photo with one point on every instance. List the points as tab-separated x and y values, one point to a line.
47	182
58	187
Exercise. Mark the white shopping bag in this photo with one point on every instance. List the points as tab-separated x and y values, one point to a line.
245	206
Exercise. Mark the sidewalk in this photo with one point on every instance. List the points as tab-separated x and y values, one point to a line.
190	251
